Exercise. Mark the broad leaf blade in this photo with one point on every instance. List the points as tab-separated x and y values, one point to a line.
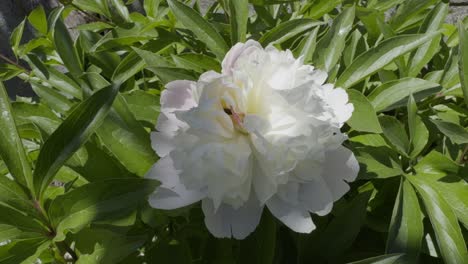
395	133
80	207
71	135
378	57
394	94
200	27
448	233
66	49
287	30
454	132
331	46
11	148
364	117
419	135
406	227
239	16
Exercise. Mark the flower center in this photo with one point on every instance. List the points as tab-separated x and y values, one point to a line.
237	119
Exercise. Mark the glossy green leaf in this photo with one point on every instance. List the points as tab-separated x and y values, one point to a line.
419	135
307	46
126	139
239	15
95	26
394	94
71	134
66	49
88	203
151	7
454	132
16	36
448	233
128	67
408	10
21	220
424	54
364	117
196	62
378	57
395	133
463	61
53	98
316	9
377	162
144	106
95	6
288	30
37	18
11	148
384	259
406	227
200	27
383	5
118	11
331	45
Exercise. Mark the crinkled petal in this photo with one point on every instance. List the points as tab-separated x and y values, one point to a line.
340	165
235	52
229	222
297	219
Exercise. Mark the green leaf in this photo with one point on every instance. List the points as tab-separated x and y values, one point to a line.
38	19
239	16
384	259
54	99
126	139
377	162
95	6
98	201
340	234
419	135
119	11
406	227
454	132
259	247
102	246
200	27
394	94
71	134
409	10
95	26
316	9
9	71
151	7
169	74
306	47
21	251
128	67
424	54
378	57
16	36
11	148
442	173
395	133
12	194
463	62
288	30
144	106
196	62
21	220
331	46
449	236
364	117
65	48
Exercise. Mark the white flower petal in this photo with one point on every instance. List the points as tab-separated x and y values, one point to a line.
236	51
340	164
178	95
229	222
169	199
316	197
295	218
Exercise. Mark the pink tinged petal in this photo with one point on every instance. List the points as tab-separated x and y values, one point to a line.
178	95
316	197
227	222
340	165
297	219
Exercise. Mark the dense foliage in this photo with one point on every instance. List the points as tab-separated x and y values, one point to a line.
74	157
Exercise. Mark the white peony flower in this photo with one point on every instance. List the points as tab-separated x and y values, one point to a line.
265	131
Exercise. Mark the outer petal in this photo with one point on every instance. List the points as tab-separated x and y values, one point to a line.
235	52
171	194
315	196
178	95
295	218
229	222
340	164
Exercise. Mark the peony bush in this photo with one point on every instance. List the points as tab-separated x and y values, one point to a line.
248	131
